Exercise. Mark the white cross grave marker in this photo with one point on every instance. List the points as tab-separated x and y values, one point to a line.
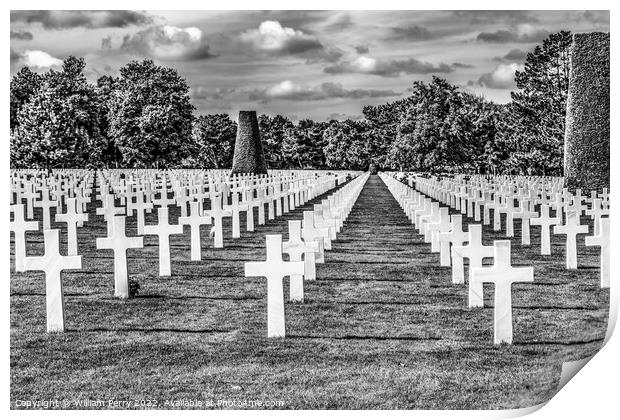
52	263
295	247
545	222
455	236
274	269
45	205
503	275
475	252
217	214
310	232
72	218
119	243
195	220
163	230
602	240
571	229
19	226
108	211
525	215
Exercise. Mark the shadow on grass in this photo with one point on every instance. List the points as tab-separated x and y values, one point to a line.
156	296
149	330
364	337
558	342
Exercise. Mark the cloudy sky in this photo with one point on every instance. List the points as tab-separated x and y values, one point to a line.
304	64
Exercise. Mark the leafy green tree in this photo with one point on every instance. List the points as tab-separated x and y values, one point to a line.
111	156
346	145
383	121
303	145
473	135
535	127
150	116
425	141
273	132
214	139
24	85
446	130
58	126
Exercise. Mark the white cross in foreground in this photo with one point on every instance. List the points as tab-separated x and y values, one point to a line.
274	269
52	263
602	240
119	243
503	275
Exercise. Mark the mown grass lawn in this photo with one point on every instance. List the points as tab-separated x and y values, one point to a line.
382	327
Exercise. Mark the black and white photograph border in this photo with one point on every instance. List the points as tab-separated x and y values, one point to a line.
255	209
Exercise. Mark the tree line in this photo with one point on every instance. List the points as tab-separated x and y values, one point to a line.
144	119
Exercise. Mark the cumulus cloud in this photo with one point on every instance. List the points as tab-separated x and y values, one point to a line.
388	68
38	60
21	35
169	43
410	33
502	77
288	90
521	33
91	19
514	55
271	37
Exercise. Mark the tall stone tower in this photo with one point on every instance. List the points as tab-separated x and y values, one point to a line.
586	140
249	157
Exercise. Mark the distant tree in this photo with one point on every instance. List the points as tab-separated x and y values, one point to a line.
303	145
59	125
111	155
443	129
346	145
473	135
425	141
214	141
383	121
150	116
24	85
273	132
535	126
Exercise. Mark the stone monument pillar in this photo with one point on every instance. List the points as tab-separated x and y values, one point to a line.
586	140
249	157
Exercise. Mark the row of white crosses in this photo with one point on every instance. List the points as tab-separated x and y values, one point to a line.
447	234
217	192
308	239
499	194
72	189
